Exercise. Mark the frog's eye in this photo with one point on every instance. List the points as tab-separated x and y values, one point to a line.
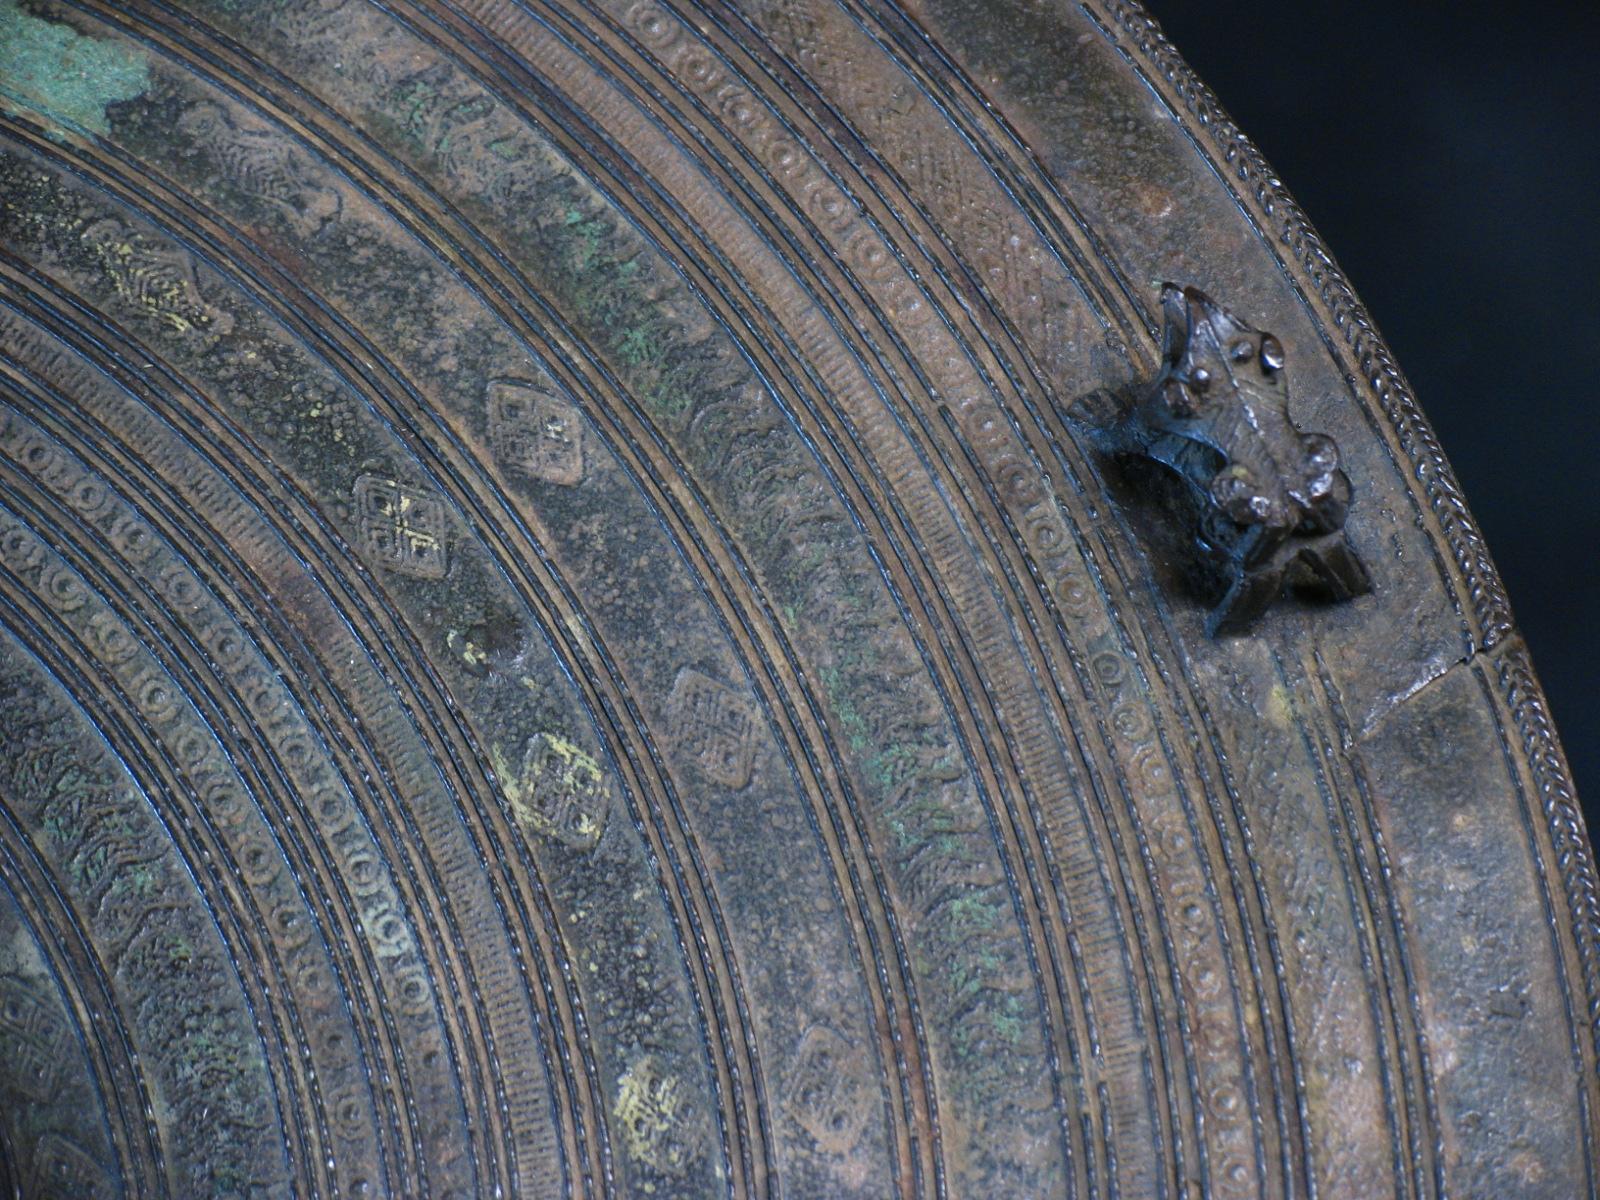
1271	354
1178	400
1242	350
1200	379
1322	454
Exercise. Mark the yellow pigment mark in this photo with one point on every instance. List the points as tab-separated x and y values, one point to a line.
558	790
1279	710
651	1111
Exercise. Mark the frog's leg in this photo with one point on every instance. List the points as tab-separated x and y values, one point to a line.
1107	417
1247	597
1336	566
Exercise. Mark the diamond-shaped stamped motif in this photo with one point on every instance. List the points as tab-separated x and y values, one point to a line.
714	726
653	1114
829	1095
403	528
535	433
62	1171
30	1039
561	792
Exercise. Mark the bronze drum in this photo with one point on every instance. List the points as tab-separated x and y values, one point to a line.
790	598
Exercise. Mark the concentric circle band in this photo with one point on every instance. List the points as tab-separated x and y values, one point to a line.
555	641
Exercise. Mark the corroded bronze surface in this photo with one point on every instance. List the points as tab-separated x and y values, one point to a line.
554	641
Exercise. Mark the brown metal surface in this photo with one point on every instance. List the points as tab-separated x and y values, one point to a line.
556	640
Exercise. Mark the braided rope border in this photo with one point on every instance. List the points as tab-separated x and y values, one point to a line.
1278	210
1563	814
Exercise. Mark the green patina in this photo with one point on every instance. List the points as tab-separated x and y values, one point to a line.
416	96
52	71
180	953
59	828
850	718
998	1013
611	299
891	764
971	912
606	292
591	245
640	350
89	867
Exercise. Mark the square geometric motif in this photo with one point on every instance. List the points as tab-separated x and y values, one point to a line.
829	1090
30	1039
563	793
535	433
62	1171
714	725
402	527
654	1117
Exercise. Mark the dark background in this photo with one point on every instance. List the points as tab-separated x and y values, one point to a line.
1450	156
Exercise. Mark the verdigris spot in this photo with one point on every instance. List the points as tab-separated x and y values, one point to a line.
51	71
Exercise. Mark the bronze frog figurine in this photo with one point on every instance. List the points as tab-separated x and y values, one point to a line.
1268	500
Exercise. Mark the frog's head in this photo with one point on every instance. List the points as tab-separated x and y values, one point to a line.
1266	500
1208	353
